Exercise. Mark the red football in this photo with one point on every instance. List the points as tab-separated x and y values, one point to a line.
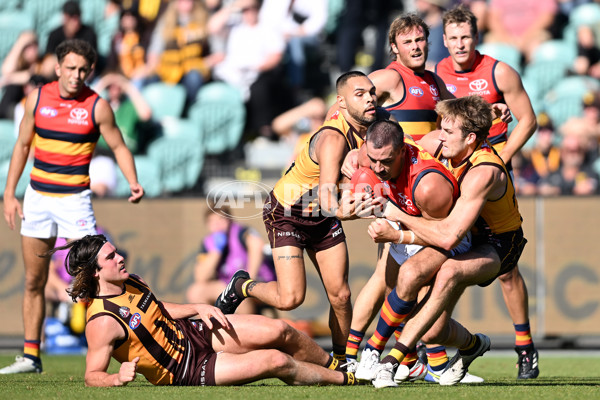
364	180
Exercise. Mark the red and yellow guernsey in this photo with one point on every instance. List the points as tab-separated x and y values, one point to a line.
418	163
415	112
298	188
149	334
498	216
65	138
480	81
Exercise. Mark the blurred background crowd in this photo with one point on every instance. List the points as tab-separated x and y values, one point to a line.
212	90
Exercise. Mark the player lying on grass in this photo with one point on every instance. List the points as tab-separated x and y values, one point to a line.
180	344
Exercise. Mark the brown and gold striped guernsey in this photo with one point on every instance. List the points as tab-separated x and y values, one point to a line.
149	333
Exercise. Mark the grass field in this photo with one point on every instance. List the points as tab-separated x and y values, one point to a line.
561	378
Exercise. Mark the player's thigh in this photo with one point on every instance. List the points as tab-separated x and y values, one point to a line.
250	332
289	268
74	215
476	266
332	265
234	369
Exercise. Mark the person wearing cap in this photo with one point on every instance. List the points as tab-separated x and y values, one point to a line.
71	28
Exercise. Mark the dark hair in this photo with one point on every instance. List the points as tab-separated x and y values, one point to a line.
473	112
341	81
460	15
77	46
384	132
71	8
82	263
404	23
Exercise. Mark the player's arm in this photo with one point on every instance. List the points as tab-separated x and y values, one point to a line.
112	135
12	207
329	149
480	184
433	196
444	92
385	80
509	83
430	142
205	312
101	334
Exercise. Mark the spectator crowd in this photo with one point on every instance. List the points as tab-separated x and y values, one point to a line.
283	55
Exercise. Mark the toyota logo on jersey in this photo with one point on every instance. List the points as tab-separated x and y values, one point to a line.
78	116
478	85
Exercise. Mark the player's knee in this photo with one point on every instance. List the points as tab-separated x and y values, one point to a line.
411	279
279	361
340	298
510	278
35	283
290	301
447	277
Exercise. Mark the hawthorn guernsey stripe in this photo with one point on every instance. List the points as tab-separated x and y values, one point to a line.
65	138
159	341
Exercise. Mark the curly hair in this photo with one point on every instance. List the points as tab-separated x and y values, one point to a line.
77	46
82	263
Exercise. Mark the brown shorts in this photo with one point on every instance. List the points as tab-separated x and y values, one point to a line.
198	368
290	228
508	245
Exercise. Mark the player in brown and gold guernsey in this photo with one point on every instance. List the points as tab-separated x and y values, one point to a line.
180	344
303	213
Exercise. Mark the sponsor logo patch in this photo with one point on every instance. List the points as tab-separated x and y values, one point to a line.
451	88
78	116
478	85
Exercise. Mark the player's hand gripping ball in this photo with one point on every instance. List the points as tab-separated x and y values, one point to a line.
364	180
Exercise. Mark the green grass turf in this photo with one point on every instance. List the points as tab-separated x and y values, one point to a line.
561	378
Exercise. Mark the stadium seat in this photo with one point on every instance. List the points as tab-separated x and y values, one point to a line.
12	23
557	51
180	160
148	172
220	112
565	100
106	30
584	14
92	12
41	10
503	52
164	100
173	127
23	181
545	74
49	24
9	5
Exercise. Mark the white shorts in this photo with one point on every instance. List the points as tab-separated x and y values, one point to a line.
402	252
69	217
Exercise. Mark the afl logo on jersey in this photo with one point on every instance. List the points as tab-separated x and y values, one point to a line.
135	321
415	91
434	90
78	116
451	88
478	85
124	312
48	112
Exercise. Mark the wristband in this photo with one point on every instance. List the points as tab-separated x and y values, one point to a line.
412	237
401	237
